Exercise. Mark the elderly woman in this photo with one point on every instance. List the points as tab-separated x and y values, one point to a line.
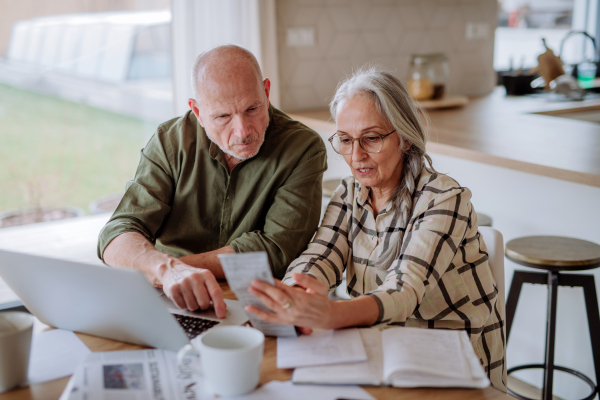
406	235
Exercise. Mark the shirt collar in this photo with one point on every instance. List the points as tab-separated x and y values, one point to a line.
216	153
363	198
363	194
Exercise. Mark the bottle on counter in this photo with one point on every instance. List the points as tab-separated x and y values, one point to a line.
428	76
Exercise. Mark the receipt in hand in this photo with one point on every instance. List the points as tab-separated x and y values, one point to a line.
241	269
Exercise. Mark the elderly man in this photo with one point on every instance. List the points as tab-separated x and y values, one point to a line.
234	174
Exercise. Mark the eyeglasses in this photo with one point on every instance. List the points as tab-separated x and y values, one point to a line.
370	143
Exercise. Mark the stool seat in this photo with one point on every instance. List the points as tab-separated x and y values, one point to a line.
554	253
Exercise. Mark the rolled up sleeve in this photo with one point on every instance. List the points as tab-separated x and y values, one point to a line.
148	197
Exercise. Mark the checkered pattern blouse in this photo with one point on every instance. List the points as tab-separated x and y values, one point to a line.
442	278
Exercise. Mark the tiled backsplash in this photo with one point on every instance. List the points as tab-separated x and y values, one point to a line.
350	33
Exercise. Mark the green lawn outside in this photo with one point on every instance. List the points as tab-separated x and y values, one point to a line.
55	152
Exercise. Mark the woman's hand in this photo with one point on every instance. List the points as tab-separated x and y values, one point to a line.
306	306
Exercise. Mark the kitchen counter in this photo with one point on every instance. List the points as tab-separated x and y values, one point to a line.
519	133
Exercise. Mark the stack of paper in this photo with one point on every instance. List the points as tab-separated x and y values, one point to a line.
321	348
405	357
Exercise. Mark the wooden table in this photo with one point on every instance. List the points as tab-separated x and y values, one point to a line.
52	390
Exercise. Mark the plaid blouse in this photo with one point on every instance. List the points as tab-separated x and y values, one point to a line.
442	278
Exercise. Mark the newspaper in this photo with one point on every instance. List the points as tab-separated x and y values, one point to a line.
241	270
134	375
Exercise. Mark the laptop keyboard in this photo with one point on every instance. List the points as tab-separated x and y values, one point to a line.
193	326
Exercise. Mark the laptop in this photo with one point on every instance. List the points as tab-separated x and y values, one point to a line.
114	303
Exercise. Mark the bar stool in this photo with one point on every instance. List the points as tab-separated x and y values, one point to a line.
554	254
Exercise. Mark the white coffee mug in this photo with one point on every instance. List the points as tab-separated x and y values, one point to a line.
230	358
15	344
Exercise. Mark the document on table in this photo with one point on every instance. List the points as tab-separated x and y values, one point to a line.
277	390
241	270
134	375
181	387
406	357
369	372
54	354
322	347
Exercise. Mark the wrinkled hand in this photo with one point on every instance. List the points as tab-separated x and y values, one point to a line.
193	288
309	305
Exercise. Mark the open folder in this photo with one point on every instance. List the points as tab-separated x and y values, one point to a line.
406	357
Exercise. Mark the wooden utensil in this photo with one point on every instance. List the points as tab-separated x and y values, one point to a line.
549	66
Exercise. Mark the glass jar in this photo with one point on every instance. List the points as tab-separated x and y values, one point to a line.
428	76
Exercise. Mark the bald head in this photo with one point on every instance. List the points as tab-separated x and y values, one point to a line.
231	101
224	63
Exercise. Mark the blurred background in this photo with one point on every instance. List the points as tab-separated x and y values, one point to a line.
83	84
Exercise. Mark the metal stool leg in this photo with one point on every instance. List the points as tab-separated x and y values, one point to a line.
519	278
550	335
553	280
591	305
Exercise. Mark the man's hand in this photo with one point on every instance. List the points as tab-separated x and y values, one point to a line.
188	286
192	288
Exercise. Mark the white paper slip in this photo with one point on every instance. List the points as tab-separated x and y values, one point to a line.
322	347
357	373
241	270
55	354
276	390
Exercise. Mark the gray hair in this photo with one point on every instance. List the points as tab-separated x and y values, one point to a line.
228	50
409	120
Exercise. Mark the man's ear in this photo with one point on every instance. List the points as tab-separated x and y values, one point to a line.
267	84
196	110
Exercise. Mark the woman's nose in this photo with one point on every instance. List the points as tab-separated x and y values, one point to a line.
358	153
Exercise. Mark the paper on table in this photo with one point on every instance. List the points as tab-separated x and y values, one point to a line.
276	390
55	354
134	375
145	374
477	371
241	270
320	348
360	373
431	351
474	375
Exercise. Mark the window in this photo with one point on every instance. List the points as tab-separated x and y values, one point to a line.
523	23
81	92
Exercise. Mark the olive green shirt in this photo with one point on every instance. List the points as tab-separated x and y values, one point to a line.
184	200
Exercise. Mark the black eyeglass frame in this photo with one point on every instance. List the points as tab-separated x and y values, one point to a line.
330	140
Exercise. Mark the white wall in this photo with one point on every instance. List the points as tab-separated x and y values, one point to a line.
350	33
